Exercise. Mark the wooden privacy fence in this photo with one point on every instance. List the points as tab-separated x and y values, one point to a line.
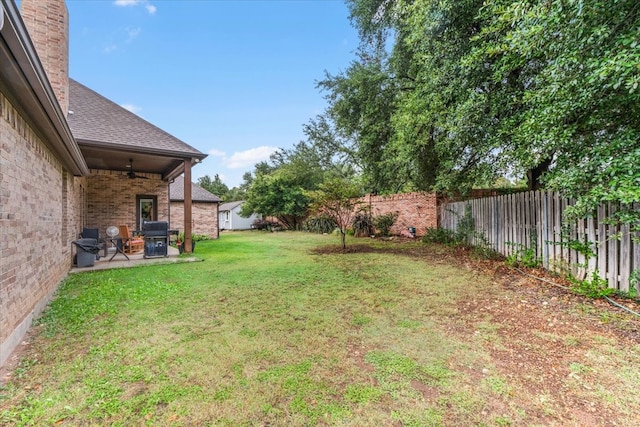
534	220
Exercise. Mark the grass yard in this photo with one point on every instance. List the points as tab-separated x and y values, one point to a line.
273	329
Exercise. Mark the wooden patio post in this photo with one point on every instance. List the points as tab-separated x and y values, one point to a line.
187	206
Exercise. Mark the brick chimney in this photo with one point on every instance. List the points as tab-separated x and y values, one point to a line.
48	24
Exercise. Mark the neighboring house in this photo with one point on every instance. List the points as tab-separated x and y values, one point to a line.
204	214
230	218
68	158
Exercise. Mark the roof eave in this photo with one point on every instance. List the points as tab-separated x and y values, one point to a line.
196	201
196	155
30	90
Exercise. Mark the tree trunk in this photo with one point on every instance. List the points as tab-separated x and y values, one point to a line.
534	174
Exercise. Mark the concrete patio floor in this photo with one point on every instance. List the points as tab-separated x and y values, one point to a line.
135	260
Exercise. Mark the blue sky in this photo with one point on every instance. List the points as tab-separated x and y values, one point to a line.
235	79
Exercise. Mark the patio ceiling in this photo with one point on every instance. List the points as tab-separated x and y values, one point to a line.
117	159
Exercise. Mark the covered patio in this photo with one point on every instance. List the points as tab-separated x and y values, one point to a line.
118	260
131	164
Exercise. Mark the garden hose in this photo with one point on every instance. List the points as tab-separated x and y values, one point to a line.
568	289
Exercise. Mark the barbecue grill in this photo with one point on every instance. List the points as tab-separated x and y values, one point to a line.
156	238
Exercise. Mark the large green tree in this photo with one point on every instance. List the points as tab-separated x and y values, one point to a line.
362	101
416	116
220	189
579	63
449	94
280	187
214	186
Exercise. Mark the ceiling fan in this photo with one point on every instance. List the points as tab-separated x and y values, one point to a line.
131	174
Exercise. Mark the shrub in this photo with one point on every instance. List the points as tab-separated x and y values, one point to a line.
466	228
384	223
320	224
465	236
596	287
523	256
439	235
194	237
362	224
263	224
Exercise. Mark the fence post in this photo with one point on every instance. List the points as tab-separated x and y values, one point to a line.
545	230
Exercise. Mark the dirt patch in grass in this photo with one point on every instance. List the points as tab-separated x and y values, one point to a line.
558	356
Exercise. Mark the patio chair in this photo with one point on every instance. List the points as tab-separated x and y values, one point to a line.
130	243
94	233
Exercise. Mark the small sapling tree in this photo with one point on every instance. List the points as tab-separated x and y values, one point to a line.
337	199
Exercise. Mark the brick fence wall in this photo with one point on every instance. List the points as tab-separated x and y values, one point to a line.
419	210
39	213
204	218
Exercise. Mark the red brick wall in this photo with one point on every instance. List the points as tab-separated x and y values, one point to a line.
419	210
204	218
40	211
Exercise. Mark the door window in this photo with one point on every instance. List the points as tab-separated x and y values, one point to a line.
146	209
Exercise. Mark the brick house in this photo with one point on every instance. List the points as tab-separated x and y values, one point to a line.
204	215
68	158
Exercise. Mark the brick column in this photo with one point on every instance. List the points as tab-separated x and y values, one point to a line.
48	24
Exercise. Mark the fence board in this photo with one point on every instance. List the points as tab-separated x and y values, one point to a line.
612	267
565	249
602	241
557	230
514	222
509	222
592	261
624	263
582	267
636	257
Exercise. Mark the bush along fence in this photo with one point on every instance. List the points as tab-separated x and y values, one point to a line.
530	226
418	210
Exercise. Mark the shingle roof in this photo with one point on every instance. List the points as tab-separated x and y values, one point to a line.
98	120
230	205
198	194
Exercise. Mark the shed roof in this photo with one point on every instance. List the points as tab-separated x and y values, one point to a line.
198	194
230	205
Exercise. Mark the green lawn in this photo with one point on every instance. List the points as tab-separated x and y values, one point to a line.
265	331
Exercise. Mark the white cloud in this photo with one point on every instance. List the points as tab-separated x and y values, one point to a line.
125	3
132	33
242	159
217	153
133	108
110	48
